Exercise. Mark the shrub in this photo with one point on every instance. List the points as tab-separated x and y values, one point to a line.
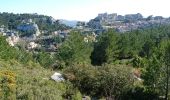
7	85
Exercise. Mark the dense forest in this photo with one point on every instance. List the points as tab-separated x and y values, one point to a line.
116	66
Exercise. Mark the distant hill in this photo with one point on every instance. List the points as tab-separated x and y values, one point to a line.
48	23
71	23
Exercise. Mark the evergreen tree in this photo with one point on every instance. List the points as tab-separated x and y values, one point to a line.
106	48
75	49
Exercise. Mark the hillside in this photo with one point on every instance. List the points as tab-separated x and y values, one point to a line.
12	21
110	66
22	77
30	82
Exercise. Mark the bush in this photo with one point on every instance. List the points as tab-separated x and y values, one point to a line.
7	85
108	80
71	92
139	93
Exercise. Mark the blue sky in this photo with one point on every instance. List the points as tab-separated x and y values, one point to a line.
85	9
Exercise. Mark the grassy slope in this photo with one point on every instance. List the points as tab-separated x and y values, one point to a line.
33	83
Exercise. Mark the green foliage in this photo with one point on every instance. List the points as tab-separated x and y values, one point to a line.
156	73
75	49
148	48
152	74
11	21
6	52
145	49
105	50
84	77
139	93
137	61
130	44
72	92
7	85
115	80
24	57
108	81
45	59
167	69
58	39
114	53
20	82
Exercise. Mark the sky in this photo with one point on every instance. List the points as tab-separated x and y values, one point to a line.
85	10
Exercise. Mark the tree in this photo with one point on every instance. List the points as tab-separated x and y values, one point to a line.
148	48
152	74
85	77
167	68
108	81
105	50
75	49
137	61
115	80
124	46
44	59
156	73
